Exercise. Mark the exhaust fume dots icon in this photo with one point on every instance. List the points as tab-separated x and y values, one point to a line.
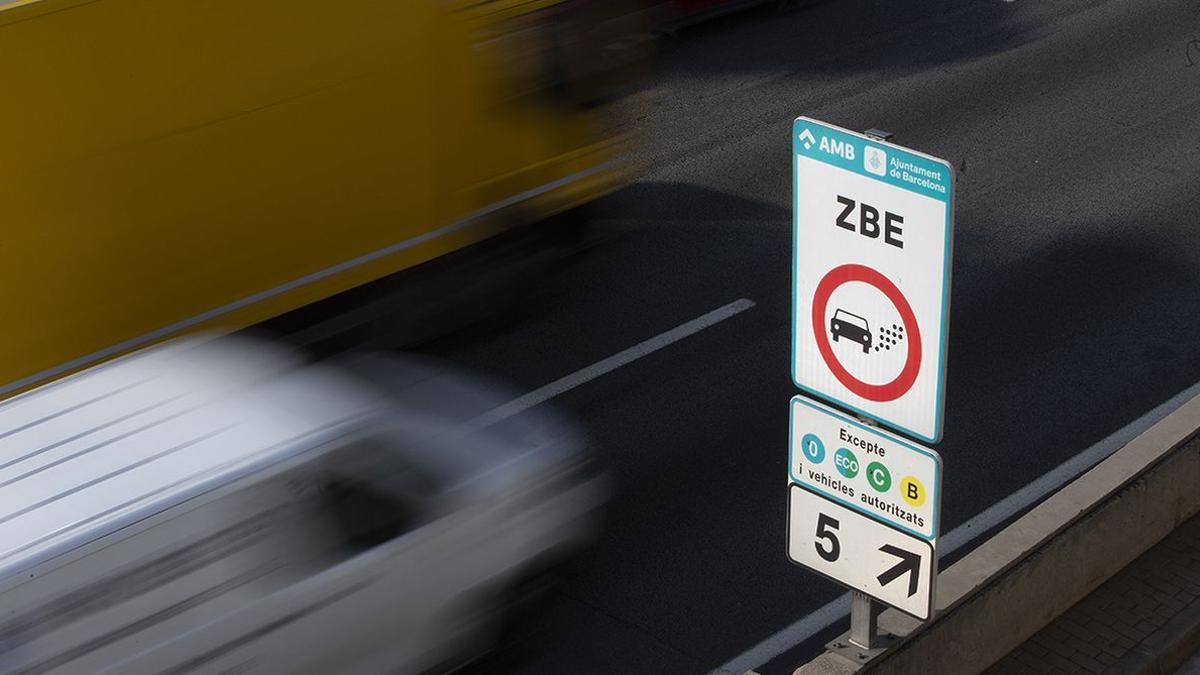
890	337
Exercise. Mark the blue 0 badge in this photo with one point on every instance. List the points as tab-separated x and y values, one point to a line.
813	448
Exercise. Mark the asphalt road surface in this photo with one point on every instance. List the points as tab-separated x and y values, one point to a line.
1075	130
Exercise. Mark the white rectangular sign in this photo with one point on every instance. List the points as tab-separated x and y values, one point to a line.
871	275
867	469
861	553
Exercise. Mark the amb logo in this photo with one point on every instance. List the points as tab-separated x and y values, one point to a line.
839	148
842	149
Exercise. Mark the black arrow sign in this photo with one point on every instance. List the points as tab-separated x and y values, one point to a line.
909	562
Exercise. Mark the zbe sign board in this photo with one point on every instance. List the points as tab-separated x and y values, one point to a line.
871	276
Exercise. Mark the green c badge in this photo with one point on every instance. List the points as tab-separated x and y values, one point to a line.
878	477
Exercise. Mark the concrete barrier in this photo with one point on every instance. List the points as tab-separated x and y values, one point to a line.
1014	584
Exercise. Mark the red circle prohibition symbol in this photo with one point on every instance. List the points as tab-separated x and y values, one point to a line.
912	365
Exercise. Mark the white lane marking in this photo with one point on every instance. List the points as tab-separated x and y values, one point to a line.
622	358
997	513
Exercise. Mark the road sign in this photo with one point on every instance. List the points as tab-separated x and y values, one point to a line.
871	275
867	469
864	554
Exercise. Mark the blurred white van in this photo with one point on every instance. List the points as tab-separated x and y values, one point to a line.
218	506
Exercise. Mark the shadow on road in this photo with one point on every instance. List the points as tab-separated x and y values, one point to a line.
1066	345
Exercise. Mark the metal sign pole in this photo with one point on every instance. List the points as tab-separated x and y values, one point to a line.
864	642
864	620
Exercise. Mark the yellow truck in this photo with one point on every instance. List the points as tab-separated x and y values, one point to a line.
175	165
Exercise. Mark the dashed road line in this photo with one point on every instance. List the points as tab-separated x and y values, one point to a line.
605	366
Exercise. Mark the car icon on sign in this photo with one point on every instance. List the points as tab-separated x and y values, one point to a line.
851	326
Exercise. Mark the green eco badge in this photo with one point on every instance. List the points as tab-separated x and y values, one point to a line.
879	477
846	462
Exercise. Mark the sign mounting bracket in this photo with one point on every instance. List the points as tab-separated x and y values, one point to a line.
864	642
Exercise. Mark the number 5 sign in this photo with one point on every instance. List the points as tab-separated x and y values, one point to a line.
865	555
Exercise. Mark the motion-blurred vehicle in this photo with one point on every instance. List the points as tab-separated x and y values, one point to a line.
222	506
176	166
